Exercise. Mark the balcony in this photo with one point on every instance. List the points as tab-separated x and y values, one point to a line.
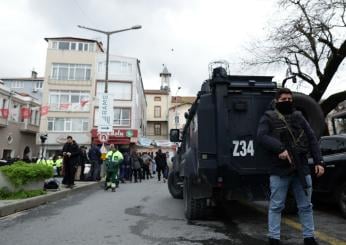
3	122
29	128
70	82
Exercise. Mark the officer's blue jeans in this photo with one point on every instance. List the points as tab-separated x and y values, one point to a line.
279	187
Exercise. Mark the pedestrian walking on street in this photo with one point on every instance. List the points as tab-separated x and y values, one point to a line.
136	166
112	163
285	133
83	161
70	153
161	165
94	155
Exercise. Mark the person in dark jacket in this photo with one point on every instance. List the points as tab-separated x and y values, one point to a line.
82	161
288	137
135	165
71	154
94	155
161	165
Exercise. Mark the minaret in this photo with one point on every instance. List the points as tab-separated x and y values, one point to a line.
165	79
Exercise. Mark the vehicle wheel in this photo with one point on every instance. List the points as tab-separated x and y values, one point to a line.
290	204
173	187
312	112
194	208
342	199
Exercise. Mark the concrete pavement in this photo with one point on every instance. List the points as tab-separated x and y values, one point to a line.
8	207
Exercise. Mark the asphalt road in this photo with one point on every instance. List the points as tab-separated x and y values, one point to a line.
146	214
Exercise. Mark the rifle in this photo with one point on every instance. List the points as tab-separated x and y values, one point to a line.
293	152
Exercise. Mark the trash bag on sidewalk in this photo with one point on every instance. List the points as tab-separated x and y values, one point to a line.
51	184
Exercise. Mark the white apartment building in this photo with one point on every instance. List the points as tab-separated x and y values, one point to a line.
19	124
68	91
129	105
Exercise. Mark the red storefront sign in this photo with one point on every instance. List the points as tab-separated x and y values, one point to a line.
118	136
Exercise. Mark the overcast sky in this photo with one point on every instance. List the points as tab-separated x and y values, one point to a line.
184	35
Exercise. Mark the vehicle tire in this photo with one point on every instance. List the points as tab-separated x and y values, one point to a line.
194	208
341	198
175	189
290	204
312	112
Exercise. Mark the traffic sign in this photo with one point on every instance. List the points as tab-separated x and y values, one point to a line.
106	113
103	138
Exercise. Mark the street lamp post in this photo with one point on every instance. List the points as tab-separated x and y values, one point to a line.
176	118
108	33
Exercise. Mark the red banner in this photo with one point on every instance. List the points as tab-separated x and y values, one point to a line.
44	110
4	113
25	112
83	102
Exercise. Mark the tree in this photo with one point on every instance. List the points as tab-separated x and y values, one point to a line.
311	41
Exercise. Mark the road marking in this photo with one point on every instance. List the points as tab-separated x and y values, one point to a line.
290	222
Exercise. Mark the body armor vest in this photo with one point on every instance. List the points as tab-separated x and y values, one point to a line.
288	129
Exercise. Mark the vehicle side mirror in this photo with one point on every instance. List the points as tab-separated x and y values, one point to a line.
174	135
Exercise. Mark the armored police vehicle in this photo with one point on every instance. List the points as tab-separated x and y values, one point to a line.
218	157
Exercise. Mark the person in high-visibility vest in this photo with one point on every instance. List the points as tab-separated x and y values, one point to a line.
58	163
112	162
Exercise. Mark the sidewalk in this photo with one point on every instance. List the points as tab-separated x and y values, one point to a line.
8	207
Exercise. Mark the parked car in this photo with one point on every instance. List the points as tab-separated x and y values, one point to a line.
332	185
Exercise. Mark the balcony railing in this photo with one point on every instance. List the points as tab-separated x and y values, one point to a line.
70	82
29	128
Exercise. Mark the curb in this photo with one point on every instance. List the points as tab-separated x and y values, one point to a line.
39	200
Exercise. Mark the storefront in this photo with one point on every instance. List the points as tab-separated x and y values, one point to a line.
121	137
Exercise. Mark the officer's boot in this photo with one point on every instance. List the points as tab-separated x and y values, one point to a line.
113	187
310	241
108	185
273	241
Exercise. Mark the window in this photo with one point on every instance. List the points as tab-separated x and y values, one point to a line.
73	46
157	129
157	98
79	72
17	84
39	85
54	45
56	124
116	67
64	45
122	117
329	146
69	100
157	111
120	90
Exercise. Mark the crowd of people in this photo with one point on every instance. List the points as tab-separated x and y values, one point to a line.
125	166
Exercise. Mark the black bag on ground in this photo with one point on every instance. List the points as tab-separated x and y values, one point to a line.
51	184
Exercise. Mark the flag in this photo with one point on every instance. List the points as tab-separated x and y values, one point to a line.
25	112
4	113
83	102
44	110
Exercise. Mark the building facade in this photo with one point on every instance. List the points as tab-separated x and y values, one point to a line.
19	124
157	109
179	106
129	103
68	91
26	85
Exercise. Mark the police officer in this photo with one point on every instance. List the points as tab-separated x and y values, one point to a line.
285	133
113	161
58	163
